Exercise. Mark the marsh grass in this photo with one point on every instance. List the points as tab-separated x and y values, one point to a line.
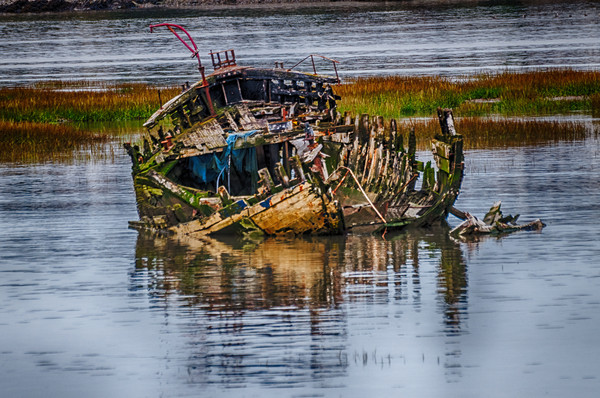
508	93
60	101
26	142
39	122
45	121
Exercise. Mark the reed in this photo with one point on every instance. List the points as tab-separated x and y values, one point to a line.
507	93
28	115
58	101
38	142
489	133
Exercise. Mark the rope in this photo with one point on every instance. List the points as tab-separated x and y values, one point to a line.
364	193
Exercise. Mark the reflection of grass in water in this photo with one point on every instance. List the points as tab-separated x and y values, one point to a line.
508	93
33	142
482	133
125	131
36	142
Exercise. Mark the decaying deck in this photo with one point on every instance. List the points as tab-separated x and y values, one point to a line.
350	173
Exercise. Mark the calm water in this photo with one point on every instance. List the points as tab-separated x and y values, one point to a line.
376	39
89	308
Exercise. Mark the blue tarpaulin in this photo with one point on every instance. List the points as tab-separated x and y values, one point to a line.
207	168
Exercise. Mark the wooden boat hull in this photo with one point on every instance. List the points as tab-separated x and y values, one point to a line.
275	159
297	210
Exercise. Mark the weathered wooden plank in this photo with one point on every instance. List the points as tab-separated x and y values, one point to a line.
370	153
458	213
218	221
348	118
383	181
281	175
365	128
247	119
375	158
383	174
176	190
207	136
361	160
300	213
379	129
265	183
353	157
442	120
428	177
232	122
443	164
441	149
394	177
295	93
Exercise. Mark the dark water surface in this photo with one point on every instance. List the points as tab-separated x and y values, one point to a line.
390	38
88	308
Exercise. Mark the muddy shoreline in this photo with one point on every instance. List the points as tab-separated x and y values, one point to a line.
44	6
50	6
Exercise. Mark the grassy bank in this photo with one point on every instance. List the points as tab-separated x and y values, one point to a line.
52	102
508	94
38	122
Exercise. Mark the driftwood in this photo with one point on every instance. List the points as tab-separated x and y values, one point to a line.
494	224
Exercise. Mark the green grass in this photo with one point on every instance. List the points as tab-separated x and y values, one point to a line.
56	102
509	94
38	122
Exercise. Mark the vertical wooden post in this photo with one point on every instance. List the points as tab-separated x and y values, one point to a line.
282	175
412	150
380	129
265	182
297	166
347	118
286	157
364	128
449	121
442	119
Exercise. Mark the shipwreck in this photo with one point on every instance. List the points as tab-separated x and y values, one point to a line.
265	150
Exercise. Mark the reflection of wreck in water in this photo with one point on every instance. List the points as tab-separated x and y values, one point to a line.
265	150
282	305
398	260
265	313
230	274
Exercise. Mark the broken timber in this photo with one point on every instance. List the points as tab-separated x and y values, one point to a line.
265	150
494	224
